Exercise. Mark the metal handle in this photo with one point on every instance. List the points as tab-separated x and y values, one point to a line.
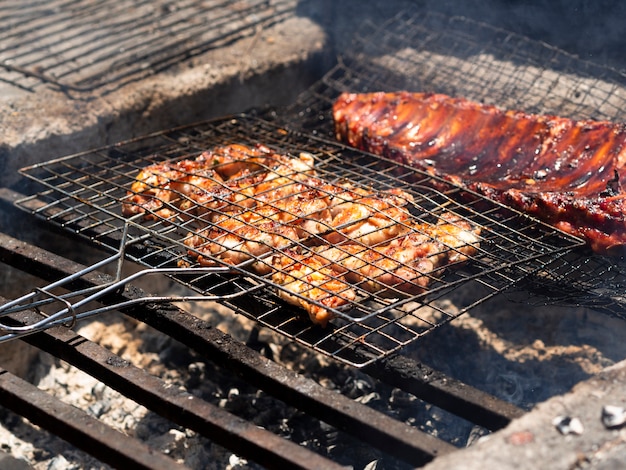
73	301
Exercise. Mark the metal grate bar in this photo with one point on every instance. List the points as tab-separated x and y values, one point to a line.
445	392
354	418
88	191
362	422
78	428
425	383
82	45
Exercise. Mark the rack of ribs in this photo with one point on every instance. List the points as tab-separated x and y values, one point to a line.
570	174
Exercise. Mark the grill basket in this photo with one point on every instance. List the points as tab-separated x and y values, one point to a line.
460	57
85	194
80	45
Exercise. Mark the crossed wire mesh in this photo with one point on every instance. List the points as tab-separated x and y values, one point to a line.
86	193
431	52
81	45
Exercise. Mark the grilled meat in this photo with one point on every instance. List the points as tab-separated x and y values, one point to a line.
223	179
253	205
403	265
237	239
568	173
234	237
407	263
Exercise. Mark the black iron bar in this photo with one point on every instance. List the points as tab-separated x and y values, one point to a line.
364	423
354	418
445	392
240	436
78	428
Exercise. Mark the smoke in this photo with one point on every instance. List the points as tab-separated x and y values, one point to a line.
590	30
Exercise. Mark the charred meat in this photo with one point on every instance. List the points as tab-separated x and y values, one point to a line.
570	174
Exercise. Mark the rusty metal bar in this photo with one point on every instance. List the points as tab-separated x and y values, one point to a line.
445	392
182	408
364	423
78	428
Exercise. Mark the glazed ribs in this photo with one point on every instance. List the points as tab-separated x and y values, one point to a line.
570	174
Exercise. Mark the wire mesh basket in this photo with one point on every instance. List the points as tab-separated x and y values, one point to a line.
86	194
81	45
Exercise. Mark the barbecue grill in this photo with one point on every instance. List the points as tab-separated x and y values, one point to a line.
81	196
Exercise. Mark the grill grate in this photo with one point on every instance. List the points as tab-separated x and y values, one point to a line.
86	192
431	52
82	45
461	57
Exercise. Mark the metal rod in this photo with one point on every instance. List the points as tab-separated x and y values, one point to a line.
242	437
78	428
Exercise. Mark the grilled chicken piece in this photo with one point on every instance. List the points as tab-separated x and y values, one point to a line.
256	205
236	160
460	238
406	265
308	277
151	192
378	269
223	179
236	240
286	204
235	237
367	220
571	174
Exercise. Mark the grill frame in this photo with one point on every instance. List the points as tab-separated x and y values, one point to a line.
512	247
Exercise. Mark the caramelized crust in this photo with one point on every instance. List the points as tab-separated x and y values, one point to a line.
568	173
251	205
